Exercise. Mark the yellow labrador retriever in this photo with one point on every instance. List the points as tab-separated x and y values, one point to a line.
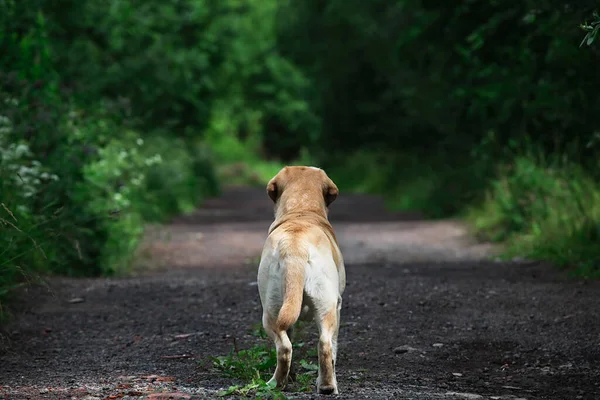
302	269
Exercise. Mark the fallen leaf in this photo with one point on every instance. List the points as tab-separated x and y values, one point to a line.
123	386
165	379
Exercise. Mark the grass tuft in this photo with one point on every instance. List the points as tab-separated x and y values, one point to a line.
255	366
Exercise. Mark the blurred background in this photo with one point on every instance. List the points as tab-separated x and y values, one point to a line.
119	113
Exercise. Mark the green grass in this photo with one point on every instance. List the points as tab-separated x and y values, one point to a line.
543	210
19	240
255	366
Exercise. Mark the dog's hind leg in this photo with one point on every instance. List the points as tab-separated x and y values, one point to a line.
328	322
284	352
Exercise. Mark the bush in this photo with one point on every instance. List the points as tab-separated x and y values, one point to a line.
78	179
544	210
178	183
83	209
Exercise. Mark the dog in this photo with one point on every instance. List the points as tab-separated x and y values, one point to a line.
301	269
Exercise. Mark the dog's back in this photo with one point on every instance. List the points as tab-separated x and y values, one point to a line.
305	259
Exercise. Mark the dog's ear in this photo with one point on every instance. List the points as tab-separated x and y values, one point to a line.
330	191
273	190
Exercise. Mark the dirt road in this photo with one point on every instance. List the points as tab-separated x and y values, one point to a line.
424	317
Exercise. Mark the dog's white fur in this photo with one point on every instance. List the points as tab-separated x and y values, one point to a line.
302	269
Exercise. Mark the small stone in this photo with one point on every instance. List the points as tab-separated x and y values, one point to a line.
76	300
457	374
168	396
403	349
470	396
42	391
438	344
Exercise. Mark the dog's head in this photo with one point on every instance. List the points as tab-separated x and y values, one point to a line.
302	188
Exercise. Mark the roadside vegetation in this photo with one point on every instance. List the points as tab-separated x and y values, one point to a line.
118	114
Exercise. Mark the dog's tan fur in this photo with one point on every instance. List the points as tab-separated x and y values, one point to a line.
302	266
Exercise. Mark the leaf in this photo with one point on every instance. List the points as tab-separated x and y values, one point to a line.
309	366
590	40
271	384
228	391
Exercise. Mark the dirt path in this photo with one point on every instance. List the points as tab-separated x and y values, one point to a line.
471	329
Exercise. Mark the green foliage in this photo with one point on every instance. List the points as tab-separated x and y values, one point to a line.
180	181
256	365
239	159
111	112
118	113
256	362
544	210
105	111
592	30
409	91
257	389
427	80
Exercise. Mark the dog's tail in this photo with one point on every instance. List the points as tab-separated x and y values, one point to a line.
294	259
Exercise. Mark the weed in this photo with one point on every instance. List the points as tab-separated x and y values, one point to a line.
256	364
258	389
250	364
259	331
312	353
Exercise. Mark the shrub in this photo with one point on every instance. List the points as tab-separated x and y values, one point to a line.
180	181
77	178
544	210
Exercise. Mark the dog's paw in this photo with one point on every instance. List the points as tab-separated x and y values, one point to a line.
327	389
